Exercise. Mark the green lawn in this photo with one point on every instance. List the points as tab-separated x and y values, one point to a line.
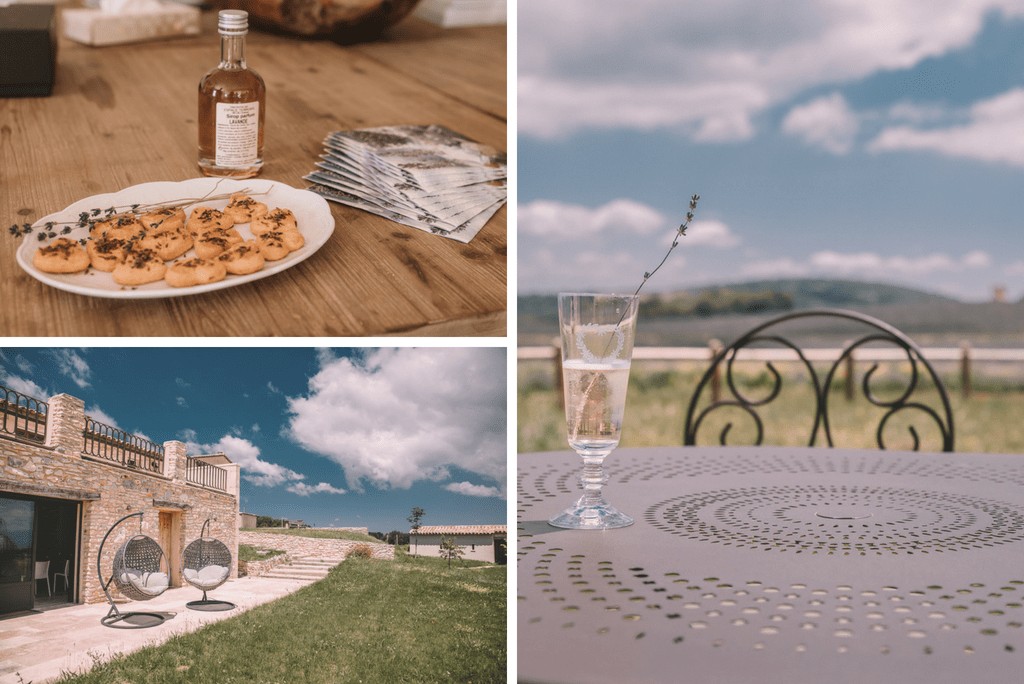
409	620
252	553
989	421
317	534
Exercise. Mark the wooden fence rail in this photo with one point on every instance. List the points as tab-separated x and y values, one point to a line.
965	355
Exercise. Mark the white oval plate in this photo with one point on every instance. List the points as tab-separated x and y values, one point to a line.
312	214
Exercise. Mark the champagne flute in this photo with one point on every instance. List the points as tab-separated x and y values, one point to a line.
597	333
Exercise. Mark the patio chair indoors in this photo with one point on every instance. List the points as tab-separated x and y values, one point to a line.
64	575
43	573
905	407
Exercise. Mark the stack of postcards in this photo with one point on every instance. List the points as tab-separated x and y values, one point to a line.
426	177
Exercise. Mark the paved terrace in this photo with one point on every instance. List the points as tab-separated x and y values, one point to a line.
41	647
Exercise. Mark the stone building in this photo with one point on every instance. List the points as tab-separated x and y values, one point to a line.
65	479
478	542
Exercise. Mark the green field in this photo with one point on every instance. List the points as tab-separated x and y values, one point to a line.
411	620
991	420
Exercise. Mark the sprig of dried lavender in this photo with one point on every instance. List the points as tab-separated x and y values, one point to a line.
88	218
680	232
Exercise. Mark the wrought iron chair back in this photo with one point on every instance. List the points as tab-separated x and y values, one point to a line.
873	331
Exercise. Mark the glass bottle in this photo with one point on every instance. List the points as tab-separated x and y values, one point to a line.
232	103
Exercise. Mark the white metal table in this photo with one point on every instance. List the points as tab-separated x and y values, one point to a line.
771	564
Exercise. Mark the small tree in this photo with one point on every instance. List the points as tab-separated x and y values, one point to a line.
414	520
449	549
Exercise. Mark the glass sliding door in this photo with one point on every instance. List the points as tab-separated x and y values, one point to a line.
17	583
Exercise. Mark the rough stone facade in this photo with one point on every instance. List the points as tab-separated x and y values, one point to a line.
108	491
299	547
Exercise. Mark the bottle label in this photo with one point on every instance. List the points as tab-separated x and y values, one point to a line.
238	127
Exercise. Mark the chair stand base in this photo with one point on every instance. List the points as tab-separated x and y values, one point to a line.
135	620
210	605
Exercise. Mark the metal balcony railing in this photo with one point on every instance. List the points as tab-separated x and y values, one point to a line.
123	448
206	475
22	417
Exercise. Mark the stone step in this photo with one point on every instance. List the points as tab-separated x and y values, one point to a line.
283	572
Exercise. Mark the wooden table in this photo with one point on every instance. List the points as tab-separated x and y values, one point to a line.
775	564
124	115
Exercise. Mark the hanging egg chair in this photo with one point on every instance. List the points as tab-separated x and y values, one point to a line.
140	572
206	564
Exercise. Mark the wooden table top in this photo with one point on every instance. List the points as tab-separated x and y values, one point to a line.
124	115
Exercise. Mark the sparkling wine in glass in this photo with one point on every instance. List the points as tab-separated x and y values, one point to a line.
597	333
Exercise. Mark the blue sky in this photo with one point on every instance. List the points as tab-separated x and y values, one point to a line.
871	140
336	437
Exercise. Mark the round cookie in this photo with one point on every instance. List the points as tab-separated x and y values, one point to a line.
204	219
195	272
272	245
160	220
243	258
278	219
105	253
139	267
61	256
216	242
243	209
120	226
168	244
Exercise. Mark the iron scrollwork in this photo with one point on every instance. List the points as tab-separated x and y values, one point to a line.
881	333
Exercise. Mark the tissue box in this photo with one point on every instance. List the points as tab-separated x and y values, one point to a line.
96	27
29	39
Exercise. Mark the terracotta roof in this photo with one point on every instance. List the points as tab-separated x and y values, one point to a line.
460	529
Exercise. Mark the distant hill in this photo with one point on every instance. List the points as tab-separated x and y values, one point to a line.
693	316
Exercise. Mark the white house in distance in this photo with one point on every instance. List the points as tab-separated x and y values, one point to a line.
478	542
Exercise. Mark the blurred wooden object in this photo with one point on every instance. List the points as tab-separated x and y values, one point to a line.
344	21
124	115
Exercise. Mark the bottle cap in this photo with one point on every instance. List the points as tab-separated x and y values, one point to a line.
233	22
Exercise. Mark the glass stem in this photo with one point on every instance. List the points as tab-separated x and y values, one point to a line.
592	480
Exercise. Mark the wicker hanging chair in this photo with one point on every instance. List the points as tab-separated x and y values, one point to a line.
139	572
206	564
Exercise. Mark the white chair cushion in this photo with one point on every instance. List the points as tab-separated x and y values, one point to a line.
213	573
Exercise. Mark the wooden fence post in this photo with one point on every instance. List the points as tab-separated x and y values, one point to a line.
715	348
848	373
965	369
556	345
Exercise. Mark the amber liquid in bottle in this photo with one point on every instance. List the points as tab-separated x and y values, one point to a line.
232	106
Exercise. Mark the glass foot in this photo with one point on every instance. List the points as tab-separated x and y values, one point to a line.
600	517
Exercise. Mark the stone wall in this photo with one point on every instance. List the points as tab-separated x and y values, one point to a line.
108	492
298	547
261	567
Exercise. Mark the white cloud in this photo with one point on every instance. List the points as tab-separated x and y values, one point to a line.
23	364
101	416
827	123
865	264
182	402
24	385
72	365
991	134
470	489
273	388
574	222
1015	269
182	383
404	415
709	234
303	489
243	452
710	69
871	263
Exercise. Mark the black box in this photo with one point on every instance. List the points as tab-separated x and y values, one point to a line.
28	50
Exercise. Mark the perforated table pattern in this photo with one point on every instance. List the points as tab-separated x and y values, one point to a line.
768	564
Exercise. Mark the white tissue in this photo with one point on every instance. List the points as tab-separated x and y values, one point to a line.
130	6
